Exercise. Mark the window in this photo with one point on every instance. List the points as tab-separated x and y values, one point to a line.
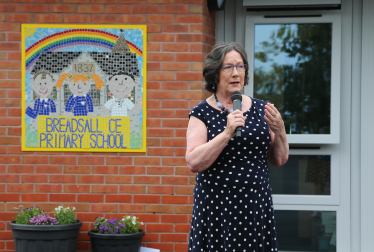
297	67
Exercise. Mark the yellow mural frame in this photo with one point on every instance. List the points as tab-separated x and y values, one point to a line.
143	85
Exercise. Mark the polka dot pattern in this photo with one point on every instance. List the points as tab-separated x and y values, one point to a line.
233	208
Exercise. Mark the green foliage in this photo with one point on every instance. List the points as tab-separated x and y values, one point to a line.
65	215
126	225
24	215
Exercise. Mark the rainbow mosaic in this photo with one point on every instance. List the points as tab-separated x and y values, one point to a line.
84	88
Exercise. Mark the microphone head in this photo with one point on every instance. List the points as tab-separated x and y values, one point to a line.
236	96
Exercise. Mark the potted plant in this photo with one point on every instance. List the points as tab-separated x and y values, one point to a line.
116	235
34	230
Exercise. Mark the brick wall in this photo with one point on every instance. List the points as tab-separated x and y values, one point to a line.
156	185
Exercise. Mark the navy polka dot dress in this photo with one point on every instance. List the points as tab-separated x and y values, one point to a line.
233	208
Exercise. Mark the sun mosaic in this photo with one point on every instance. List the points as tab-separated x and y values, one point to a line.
84	88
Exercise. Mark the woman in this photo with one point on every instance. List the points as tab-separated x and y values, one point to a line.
233	208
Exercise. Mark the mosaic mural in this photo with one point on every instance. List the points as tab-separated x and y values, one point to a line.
84	88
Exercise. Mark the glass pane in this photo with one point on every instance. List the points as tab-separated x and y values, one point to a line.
292	69
95	95
302	175
306	230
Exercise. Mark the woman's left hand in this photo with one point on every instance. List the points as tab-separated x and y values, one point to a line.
274	119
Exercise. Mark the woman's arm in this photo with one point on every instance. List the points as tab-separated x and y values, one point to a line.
279	149
200	153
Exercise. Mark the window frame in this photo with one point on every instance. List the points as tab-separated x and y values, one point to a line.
253	18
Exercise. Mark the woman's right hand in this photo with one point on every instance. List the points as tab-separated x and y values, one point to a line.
234	120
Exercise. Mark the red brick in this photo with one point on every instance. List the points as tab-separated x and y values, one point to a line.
173	237
77	188
104	189
146	180
151	47
118	179
174	47
132	208
8	178
177	218
9	140
160	151
62	178
146	199
182	113
161	19
34	8
9	197
48	188
132	170
10	159
35	159
77	18
161	246
152	66
175	123
118	9
62	197
175	66
11	65
153	28
193	18
183	170
7	7
14	112
174	199
161	189
182	228
105	19
14	55
119	160
175	8
131	189
161	57
161	94
62	8
153	123
118	198
91	160
132	18
88	179
14	93
20	169
48	169
77	169
146	9
161	208
63	160
159	133
157	113
94	8
146	161
161	1
183	209
190	57
174	104
10	121
181	247
104	208
105	169
189	37
156	37
98	198
10	102
174	142
24	18
34	197
159	228
175	180
10	27
34	178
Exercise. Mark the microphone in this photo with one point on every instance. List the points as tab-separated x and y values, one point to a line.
236	98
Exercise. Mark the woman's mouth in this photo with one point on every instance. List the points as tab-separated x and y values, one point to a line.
235	83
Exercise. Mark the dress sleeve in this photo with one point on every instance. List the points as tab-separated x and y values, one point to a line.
198	113
70	103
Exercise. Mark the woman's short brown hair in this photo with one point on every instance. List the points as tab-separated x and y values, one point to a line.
213	62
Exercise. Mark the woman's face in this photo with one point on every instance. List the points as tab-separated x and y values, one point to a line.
233	81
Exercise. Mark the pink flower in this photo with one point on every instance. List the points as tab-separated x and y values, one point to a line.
16	208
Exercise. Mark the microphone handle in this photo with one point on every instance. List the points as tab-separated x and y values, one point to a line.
237	104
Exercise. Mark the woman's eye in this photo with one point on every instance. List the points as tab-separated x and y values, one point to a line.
227	67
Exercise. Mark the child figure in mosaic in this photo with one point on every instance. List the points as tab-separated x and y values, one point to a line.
80	102
42	84
120	85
